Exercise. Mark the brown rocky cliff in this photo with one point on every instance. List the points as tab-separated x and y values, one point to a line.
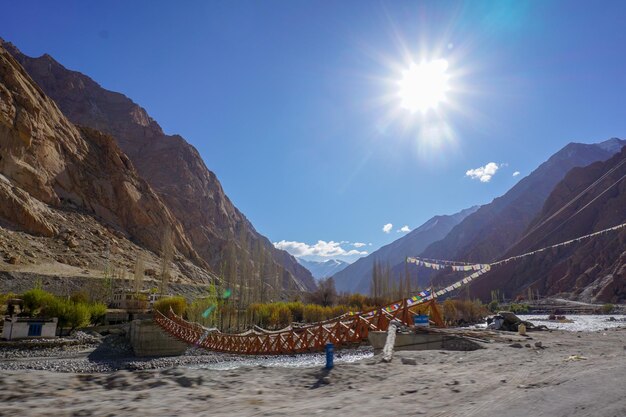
172	167
47	161
489	232
590	270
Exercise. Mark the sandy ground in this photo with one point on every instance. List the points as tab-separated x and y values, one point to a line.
500	380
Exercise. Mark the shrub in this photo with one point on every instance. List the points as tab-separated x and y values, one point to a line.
177	303
449	311
80	297
36	300
519	308
3	301
204	311
325	294
97	312
356	301
337	311
464	311
297	310
69	313
607	308
78	315
260	314
493	306
280	316
313	313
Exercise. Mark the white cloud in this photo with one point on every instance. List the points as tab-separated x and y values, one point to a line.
404	229
321	248
359	244
516	173
484	173
387	228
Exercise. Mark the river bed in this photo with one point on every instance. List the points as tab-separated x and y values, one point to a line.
581	323
304	360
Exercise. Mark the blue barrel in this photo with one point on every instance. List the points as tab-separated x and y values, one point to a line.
330	354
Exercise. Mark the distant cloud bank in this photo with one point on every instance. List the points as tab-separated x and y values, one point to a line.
404	229
484	173
321	248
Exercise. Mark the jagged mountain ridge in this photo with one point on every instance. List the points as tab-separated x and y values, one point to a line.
357	276
592	270
323	269
46	159
55	177
495	227
172	167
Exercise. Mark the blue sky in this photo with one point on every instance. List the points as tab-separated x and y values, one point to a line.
293	104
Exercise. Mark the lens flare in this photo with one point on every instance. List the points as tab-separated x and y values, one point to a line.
208	311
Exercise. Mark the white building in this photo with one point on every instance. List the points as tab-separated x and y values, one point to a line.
26	328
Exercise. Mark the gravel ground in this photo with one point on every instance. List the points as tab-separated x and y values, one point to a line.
551	374
84	353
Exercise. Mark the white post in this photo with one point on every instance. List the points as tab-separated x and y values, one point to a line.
390	342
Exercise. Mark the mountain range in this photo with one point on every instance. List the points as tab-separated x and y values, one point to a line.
357	276
495	230
323	269
495	227
587	200
87	177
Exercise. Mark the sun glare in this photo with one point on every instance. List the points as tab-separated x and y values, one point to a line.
424	86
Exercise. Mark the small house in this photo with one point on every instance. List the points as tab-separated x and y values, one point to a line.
26	328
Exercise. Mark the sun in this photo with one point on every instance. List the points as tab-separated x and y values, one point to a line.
423	86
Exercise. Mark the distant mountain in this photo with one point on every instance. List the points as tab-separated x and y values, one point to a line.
324	269
495	227
592	270
357	276
218	232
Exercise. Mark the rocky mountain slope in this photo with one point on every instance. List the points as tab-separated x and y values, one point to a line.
495	227
56	177
323	269
592	270
357	276
215	228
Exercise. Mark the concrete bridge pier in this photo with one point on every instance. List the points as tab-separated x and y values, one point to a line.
148	339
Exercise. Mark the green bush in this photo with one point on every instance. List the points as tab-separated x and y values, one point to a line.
78	315
464	311
607	308
97	312
280	316
73	313
3	301
313	313
69	313
36	300
176	303
297	310
493	306
80	297
204	311
260	314
519	308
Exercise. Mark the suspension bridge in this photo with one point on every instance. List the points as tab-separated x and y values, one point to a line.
346	330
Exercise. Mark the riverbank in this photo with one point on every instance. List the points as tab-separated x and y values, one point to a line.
555	373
